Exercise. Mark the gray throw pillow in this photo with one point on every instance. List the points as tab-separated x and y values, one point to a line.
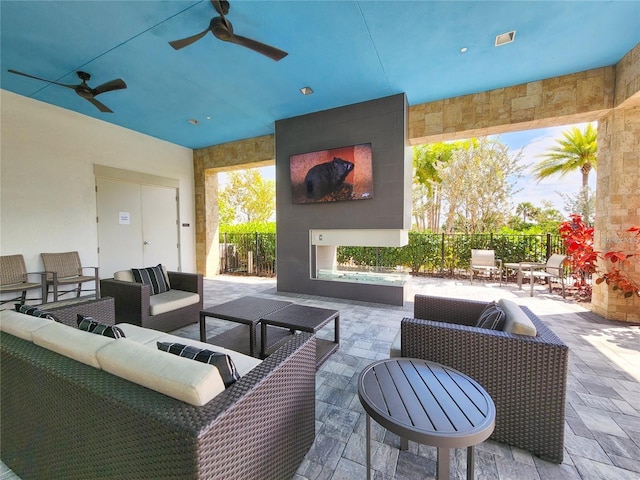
492	317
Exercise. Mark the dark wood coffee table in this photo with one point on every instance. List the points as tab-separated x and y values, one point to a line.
245	310
427	403
304	319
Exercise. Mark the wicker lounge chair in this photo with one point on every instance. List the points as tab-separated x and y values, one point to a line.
66	269
133	302
15	278
526	376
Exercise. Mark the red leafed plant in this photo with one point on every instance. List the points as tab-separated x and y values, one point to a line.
578	241
616	276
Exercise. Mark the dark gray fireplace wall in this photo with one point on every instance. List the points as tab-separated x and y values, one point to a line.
384	124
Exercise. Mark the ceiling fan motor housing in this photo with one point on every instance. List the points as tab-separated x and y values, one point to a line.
221	29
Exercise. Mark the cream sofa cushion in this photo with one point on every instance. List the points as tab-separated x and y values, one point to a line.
21	325
71	342
517	321
181	378
171	300
123	275
140	334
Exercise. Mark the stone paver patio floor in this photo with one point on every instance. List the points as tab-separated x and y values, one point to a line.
602	431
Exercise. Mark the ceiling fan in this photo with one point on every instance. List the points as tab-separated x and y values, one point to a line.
222	29
84	90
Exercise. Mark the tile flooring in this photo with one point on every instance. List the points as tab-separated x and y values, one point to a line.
602	434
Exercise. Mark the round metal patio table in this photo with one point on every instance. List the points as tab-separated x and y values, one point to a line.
428	403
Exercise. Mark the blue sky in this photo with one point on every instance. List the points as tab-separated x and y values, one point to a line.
534	143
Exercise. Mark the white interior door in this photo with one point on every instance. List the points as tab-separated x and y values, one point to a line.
119	226
160	226
137	226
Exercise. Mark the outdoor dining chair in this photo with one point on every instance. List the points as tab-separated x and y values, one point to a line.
15	278
553	269
485	261
65	269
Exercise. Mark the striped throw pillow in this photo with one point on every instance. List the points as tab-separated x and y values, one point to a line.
221	361
152	276
89	324
492	317
35	312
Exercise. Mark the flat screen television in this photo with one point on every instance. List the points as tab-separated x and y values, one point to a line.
344	173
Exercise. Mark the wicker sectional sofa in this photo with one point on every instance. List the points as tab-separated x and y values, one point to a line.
526	376
62	418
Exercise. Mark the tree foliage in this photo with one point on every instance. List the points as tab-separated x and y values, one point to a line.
247	197
477	185
427	198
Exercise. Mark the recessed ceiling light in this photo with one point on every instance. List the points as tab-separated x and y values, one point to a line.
463	50
505	38
306	90
193	121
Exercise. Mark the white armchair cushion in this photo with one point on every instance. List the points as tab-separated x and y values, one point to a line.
517	321
171	300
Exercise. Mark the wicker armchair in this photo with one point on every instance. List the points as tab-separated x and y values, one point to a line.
525	376
133	302
66	269
15	278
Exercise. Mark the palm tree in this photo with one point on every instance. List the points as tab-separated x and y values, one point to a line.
575	151
527	210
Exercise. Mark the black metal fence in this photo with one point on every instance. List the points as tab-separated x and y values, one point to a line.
248	254
429	253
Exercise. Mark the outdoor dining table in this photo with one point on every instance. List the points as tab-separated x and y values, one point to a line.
519	267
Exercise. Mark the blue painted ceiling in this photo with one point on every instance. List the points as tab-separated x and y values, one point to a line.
347	51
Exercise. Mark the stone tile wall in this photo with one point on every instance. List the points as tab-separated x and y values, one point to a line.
618	205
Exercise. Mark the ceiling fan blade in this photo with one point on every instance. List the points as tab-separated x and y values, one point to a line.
185	42
100	106
117	84
272	52
42	79
222	7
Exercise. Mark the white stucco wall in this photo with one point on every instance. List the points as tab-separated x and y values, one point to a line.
47	197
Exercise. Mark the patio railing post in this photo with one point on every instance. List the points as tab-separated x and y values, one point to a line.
226	254
257	266
548	245
442	254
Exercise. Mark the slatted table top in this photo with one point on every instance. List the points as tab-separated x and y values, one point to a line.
427	402
247	310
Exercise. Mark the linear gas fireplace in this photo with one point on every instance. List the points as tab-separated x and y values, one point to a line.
323	247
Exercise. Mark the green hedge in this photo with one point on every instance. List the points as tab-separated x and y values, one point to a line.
426	252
